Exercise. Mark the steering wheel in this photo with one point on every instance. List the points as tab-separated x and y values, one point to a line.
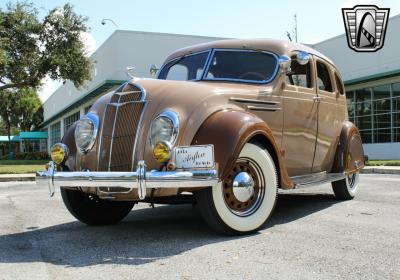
252	74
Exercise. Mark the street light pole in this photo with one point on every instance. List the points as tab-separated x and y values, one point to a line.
104	20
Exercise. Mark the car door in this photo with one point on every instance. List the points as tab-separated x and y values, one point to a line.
329	125
300	118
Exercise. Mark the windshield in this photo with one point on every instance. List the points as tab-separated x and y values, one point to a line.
224	65
186	68
251	66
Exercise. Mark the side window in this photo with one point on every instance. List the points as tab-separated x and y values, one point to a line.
299	75
339	84
323	77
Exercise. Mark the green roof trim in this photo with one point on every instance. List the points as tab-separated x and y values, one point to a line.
370	78
106	85
33	135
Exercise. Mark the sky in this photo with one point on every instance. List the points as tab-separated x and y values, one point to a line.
317	20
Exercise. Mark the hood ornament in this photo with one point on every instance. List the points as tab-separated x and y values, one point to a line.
129	71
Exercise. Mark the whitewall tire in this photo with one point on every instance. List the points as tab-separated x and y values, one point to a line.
346	188
244	201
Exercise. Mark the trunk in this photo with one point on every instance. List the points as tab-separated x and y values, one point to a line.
9	139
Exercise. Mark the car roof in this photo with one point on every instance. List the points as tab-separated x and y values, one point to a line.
279	47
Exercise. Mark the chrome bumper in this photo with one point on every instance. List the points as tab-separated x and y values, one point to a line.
140	180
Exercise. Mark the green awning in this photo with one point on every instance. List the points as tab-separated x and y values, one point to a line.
33	135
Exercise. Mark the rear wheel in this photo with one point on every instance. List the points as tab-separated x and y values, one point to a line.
91	210
244	201
346	188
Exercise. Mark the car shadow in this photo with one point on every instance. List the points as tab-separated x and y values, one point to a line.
144	236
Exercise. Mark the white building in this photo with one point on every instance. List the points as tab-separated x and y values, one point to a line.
372	82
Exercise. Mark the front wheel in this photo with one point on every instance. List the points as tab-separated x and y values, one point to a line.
91	210
244	201
346	188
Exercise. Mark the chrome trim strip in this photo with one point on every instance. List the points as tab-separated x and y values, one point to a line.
316	179
256	101
141	179
112	135
258	108
139	128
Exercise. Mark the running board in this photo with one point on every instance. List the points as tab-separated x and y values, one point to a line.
314	179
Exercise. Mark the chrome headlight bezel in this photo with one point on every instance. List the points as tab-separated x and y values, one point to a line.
173	119
93	119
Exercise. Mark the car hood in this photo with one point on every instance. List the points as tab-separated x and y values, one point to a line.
193	101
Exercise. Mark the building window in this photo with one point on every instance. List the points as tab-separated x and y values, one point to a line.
55	133
70	120
363	113
87	108
376	112
396	112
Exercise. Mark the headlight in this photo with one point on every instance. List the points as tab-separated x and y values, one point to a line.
164	128
86	132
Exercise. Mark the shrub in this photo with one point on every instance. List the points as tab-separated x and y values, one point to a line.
32	156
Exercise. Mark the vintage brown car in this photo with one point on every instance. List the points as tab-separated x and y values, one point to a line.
224	126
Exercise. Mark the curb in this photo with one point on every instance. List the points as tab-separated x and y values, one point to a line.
17	177
381	170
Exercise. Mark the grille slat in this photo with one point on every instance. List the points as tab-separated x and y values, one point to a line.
120	127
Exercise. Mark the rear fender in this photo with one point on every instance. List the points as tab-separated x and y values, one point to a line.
349	156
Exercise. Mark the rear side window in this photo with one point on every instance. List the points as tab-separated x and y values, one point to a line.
299	75
339	84
323	77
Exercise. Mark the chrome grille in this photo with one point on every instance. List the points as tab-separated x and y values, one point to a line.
121	123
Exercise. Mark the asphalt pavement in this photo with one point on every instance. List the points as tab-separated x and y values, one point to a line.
311	235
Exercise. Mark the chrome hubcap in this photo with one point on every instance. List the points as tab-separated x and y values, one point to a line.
243	186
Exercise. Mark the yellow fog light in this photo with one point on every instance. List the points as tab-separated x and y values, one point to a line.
59	153
162	151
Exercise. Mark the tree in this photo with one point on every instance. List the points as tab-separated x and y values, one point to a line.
31	49
28	110
20	110
7	102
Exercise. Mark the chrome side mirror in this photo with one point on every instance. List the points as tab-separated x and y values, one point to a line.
284	63
129	71
153	70
303	58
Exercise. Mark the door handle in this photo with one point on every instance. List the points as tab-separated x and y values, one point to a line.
317	98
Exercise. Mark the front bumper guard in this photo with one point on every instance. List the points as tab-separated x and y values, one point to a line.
140	180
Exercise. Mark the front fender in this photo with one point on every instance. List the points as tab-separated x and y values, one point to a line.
349	156
229	131
69	140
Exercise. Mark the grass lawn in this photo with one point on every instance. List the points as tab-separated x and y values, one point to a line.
21	166
383	162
